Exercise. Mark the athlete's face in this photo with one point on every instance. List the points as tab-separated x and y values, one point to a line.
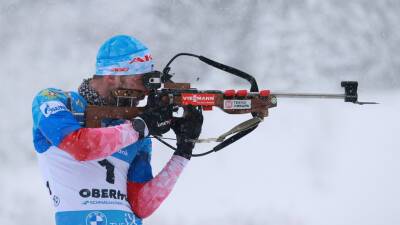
134	82
112	83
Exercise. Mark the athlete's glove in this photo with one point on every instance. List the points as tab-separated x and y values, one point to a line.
156	117
158	121
187	128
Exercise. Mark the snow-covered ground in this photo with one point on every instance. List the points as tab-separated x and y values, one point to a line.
312	162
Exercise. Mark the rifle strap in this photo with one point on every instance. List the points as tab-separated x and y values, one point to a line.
248	124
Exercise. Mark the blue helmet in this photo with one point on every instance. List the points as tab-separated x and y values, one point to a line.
123	55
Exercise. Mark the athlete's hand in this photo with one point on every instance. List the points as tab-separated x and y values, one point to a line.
157	115
158	120
187	128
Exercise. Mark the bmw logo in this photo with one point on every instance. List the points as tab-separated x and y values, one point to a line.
96	218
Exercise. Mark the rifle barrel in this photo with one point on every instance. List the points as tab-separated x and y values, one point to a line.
308	95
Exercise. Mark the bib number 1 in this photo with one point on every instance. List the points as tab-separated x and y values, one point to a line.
110	176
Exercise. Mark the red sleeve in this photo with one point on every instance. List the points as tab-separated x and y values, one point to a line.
145	198
95	143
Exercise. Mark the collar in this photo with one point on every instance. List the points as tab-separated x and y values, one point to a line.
90	94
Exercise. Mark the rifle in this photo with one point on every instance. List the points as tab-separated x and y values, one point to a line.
166	92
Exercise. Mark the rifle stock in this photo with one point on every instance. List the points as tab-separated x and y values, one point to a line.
180	94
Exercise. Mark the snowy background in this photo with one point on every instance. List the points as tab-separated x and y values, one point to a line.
311	162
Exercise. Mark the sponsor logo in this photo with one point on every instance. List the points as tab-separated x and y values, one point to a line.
122	69
102	193
165	123
52	107
145	58
123	152
237	104
96	218
198	99
101	202
228	104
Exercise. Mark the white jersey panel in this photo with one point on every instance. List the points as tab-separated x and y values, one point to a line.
89	185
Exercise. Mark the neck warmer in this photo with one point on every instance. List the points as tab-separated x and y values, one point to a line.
90	94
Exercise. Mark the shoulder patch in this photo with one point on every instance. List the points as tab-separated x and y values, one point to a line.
52	107
48	94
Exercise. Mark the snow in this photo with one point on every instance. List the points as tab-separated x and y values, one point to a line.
310	162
